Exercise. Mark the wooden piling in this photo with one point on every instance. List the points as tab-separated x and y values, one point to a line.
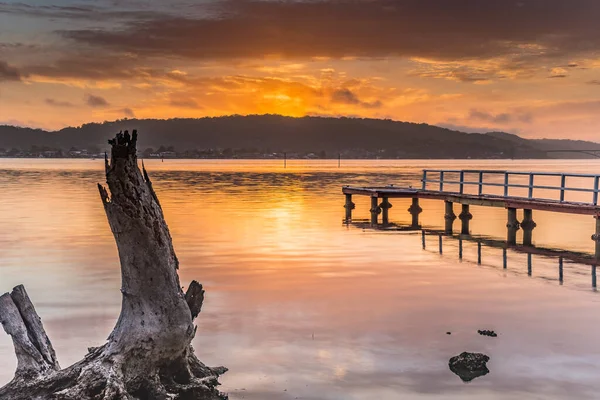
349	206
449	216
512	226
375	210
528	225
385	207
465	217
414	211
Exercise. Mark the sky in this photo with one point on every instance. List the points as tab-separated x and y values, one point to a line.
530	67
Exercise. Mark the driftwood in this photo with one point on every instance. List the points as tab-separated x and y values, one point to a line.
148	355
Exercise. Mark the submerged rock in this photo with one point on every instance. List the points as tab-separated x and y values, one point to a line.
469	366
487	333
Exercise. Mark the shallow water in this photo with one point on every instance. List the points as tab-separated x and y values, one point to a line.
301	306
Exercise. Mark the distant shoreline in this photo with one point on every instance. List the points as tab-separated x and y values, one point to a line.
270	136
297	158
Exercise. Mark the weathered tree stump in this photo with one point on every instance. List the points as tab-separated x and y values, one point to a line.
148	355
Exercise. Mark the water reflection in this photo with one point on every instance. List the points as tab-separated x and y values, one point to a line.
498	252
579	262
298	305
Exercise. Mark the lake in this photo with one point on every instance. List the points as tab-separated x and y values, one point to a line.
300	305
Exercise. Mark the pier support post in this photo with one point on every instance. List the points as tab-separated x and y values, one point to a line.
349	206
465	217
513	226
385	207
596	237
560	270
449	216
375	210
528	225
414	211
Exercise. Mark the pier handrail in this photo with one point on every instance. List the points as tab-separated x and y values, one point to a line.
563	188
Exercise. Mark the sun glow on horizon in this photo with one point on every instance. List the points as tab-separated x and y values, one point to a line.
535	80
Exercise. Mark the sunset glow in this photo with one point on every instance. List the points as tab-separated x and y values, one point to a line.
529	67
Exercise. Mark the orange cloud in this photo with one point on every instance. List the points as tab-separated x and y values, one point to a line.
414	60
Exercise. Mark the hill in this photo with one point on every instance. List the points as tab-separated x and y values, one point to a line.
257	135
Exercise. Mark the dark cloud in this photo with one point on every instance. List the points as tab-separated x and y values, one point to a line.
78	12
587	108
58	103
5	47
461	29
96	101
126	46
525	117
184	103
346	96
461	73
452	124
594	82
558	76
128	112
8	72
484	116
43	10
502	118
88	65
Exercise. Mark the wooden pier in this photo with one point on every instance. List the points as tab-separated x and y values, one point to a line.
455	186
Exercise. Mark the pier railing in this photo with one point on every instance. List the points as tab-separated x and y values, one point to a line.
480	180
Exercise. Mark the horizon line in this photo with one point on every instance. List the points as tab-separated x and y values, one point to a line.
353	117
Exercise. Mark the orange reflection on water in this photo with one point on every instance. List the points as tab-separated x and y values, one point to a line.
299	304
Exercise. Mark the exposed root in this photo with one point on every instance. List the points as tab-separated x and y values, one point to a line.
99	378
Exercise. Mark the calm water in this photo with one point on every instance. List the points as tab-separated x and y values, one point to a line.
300	306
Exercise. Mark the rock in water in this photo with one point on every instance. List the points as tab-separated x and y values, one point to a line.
469	366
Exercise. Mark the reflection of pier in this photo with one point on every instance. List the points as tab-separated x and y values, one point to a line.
562	257
457	179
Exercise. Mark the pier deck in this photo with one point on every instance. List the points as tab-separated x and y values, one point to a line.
575	185
476	200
